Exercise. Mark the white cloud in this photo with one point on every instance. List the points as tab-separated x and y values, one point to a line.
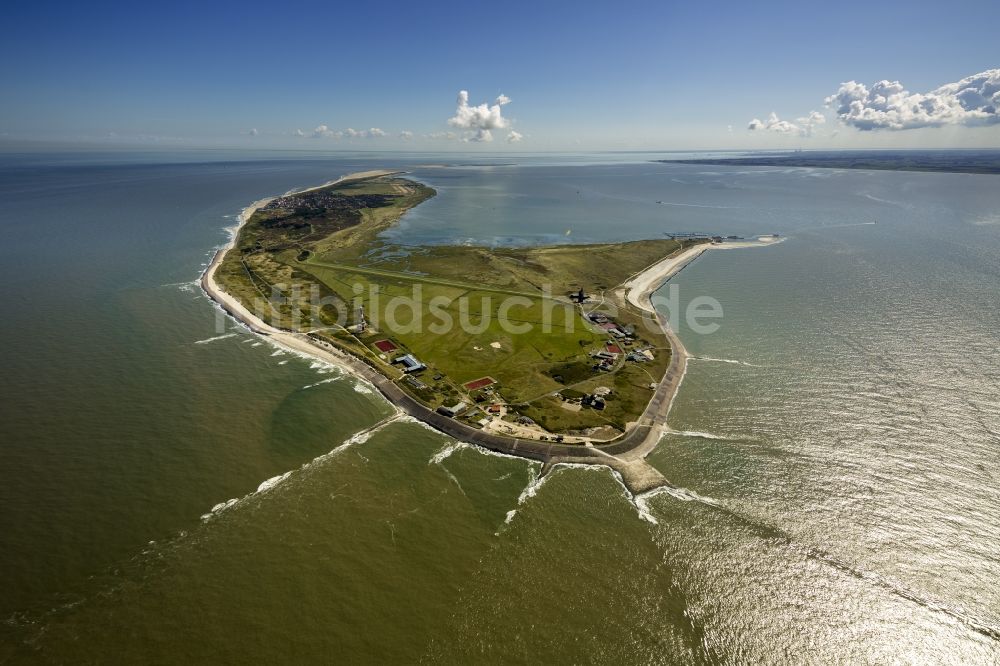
773	124
814	118
450	136
324	132
480	136
479	120
514	137
251	132
406	135
802	126
299	132
372	133
975	100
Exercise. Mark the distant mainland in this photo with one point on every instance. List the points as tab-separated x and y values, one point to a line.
950	161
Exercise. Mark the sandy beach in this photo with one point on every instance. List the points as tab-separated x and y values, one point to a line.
638	289
295	342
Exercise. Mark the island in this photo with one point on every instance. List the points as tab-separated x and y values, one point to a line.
551	353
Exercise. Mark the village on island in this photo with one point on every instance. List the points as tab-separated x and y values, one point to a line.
480	402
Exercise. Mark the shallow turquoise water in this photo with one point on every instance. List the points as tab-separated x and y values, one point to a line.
838	457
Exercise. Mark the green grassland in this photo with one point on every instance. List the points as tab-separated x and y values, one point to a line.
465	312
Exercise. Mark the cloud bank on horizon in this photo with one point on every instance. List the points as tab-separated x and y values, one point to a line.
973	101
888	105
802	126
475	122
324	132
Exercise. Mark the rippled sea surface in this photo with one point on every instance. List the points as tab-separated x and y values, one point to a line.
173	491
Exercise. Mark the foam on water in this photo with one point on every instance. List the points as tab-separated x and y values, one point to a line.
357	438
218	337
236	501
454	480
642	507
402	416
363	388
722	360
322	381
535	483
446	452
694	433
272	482
188	287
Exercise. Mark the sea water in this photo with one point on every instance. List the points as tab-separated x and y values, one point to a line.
172	491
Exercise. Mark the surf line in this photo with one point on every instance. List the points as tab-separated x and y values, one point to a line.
359	437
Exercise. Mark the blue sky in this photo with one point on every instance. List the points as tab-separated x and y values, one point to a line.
639	75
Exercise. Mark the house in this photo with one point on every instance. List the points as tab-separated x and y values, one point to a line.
451	411
410	363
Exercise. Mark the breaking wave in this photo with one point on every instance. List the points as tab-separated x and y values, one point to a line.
446	452
694	433
218	337
722	360
534	483
322	381
265	486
